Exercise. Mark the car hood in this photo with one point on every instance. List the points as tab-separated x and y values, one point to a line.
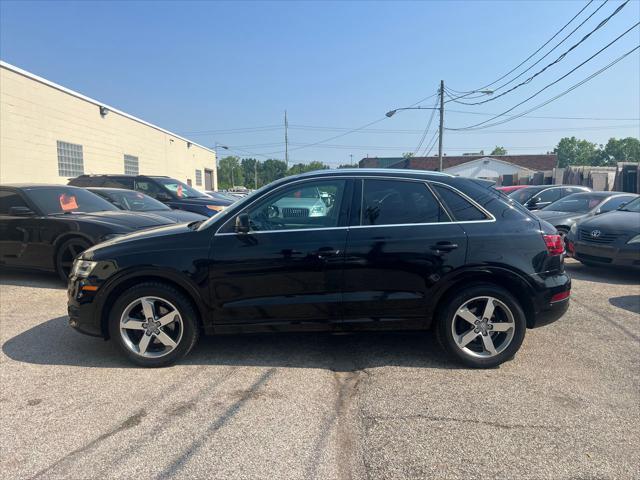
120	221
204	201
558	218
175	216
616	221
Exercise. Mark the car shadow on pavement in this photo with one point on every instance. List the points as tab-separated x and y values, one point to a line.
627	302
30	279
604	274
54	343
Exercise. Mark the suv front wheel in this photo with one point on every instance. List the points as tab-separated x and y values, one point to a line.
154	324
482	327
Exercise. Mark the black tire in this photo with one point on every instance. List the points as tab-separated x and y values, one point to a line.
447	315
69	250
189	329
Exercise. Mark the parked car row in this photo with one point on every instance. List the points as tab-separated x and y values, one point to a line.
46	226
598	228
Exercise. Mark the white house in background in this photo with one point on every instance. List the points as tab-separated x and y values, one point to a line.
489	168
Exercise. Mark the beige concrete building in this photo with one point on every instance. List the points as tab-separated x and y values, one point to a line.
49	134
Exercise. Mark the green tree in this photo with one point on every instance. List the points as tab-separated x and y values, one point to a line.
347	165
572	151
271	170
229	172
407	155
622	150
306	167
499	151
251	172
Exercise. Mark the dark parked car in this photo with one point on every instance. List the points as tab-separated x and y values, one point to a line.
46	226
563	213
395	249
222	196
539	196
609	239
173	193
139	202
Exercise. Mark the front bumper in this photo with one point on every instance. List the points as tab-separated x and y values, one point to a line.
623	256
81	308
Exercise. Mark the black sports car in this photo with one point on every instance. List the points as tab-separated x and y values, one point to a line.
563	213
46	226
139	202
609	239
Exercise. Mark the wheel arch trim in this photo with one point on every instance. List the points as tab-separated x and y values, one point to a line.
174	278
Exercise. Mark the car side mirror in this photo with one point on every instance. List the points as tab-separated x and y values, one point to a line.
242	223
20	212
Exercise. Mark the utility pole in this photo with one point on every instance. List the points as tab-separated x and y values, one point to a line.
286	139
351	155
441	130
255	174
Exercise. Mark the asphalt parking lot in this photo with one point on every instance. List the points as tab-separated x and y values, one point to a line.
323	407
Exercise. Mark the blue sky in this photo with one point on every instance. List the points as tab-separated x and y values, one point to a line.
202	68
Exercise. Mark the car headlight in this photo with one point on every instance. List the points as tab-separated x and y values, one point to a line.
635	239
82	268
574	228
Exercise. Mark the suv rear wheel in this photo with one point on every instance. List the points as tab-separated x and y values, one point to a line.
153	324
482	327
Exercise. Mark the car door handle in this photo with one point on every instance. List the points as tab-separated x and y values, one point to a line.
444	246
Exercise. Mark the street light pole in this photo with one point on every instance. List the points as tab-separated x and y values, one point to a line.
215	149
391	113
441	132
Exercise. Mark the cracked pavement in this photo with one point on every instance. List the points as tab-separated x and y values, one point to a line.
315	406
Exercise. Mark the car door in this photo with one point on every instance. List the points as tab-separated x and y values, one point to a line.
18	229
401	244
288	268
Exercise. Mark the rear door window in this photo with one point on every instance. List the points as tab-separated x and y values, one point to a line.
461	208
9	199
396	202
118	182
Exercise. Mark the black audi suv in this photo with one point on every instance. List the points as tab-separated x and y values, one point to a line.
336	251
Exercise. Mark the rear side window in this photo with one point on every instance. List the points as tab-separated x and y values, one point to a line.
461	208
118	182
393	202
9	199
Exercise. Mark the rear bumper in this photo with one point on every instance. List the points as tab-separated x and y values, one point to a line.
547	311
625	256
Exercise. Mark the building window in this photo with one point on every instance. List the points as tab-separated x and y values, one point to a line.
70	160
131	165
199	178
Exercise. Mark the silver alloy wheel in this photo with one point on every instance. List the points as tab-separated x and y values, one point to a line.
151	327
483	327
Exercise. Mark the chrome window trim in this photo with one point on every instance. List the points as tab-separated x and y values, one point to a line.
490	218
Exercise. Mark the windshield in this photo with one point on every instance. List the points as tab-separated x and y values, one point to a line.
135	201
578	203
632	206
524	194
56	200
179	189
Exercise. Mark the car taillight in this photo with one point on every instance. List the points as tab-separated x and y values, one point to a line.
554	243
560	296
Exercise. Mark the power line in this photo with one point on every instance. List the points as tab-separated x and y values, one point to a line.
513	117
556	61
426	130
534	53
